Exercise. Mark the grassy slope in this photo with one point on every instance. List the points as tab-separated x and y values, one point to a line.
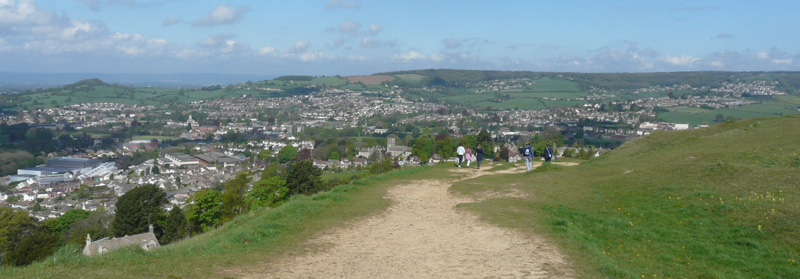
719	202
262	235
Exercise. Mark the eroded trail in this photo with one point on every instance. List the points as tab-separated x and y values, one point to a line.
422	235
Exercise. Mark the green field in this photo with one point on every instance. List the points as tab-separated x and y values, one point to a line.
695	116
553	85
411	78
531	97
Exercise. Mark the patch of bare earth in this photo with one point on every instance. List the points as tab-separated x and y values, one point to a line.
421	235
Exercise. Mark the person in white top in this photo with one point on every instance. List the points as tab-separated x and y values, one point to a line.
460	151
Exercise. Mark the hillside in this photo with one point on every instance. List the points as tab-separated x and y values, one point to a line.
718	202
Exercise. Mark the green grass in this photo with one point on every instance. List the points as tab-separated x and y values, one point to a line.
261	236
719	202
343	175
557	85
780	105
412	78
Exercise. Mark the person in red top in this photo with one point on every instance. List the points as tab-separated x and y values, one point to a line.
468	155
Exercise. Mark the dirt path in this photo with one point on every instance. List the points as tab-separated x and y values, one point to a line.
422	235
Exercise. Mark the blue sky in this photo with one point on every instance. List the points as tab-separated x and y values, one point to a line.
349	37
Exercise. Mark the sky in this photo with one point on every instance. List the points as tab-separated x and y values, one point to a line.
357	37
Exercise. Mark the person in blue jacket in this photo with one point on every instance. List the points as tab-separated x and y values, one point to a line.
548	153
527	153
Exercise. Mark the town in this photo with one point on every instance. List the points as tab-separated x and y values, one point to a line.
202	144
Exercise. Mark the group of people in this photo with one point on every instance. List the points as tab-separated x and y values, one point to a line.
528	153
466	154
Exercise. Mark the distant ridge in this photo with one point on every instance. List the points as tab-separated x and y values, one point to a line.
31	80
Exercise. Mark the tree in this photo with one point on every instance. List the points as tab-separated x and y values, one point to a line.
383	166
264	154
60	225
137	209
15	226
204	210
552	135
97	225
504	153
304	154
287	153
443	145
174	226
303	178
36	246
334	156
156	170
233	202
423	147
271	191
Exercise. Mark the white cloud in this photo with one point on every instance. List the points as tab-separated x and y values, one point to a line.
782	61
717	64
722	36
310	56
374	29
452	43
762	55
216	40
343	4
682	60
300	46
97	5
411	55
170	21
223	14
349	27
266	50
368	42
338	42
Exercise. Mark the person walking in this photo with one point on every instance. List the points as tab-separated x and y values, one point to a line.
548	153
460	151
479	155
468	155
527	153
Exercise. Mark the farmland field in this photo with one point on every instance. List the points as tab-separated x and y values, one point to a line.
412	78
695	116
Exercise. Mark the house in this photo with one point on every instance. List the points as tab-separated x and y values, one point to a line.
359	162
180	160
147	241
320	164
514	156
399	151
435	159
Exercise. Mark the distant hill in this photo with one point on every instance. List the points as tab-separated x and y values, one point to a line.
789	81
185	80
